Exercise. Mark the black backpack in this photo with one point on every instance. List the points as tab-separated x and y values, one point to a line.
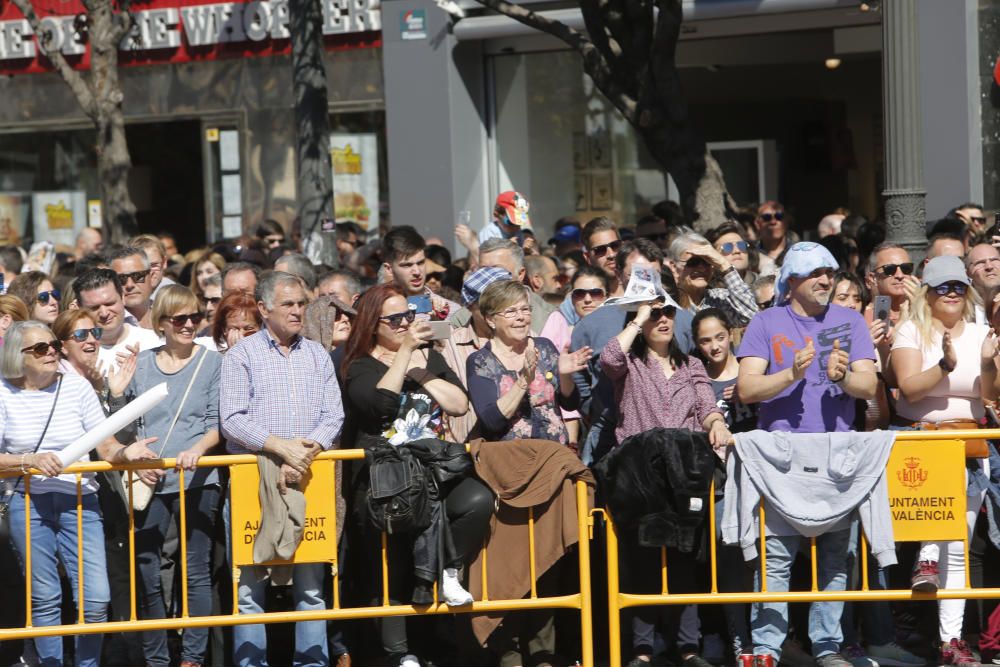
399	490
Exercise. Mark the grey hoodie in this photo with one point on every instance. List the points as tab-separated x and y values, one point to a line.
812	481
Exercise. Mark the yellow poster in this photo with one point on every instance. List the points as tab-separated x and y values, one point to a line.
319	539
927	490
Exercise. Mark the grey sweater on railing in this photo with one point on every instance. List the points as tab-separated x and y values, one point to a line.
811	483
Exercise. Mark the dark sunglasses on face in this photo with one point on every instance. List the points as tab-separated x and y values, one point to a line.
595	293
80	335
54	294
41	349
730	248
978	219
890	269
136	276
180	320
656	313
601	250
768	217
947	288
214	300
396	319
696	262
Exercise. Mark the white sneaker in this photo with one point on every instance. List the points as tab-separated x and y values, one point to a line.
451	589
409	661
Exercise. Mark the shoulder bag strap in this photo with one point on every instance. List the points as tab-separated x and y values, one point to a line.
180	407
46	428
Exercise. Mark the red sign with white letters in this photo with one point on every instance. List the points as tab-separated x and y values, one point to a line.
177	31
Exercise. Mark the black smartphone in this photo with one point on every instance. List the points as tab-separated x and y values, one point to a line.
882	306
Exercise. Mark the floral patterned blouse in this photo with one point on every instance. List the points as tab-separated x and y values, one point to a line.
538	415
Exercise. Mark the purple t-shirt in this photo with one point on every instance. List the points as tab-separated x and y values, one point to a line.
813	404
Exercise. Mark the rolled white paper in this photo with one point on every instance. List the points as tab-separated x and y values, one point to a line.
116	422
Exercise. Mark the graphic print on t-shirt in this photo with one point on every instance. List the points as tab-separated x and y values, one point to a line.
824	346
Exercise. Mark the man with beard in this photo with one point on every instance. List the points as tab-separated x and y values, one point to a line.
805	361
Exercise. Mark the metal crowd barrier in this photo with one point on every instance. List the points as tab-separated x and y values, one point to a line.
946	450
245	466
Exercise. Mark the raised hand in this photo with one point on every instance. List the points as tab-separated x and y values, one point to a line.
803	359
530	363
990	347
118	379
573	362
837	363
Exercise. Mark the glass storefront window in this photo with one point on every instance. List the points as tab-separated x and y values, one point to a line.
562	145
360	168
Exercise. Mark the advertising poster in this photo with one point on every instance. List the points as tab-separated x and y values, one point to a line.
355	178
14	210
59	216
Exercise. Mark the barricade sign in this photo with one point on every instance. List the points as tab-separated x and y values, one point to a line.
927	490
319	538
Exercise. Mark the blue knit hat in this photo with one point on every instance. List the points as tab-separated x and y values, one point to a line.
479	280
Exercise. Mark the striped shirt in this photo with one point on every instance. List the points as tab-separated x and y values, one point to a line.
265	393
22	417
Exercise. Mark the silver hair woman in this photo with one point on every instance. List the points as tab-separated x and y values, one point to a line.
42	411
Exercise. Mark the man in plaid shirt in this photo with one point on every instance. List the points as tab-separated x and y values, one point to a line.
279	395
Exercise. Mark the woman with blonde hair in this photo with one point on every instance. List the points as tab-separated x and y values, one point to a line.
186	424
946	367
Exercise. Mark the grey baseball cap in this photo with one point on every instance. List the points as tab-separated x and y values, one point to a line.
945	269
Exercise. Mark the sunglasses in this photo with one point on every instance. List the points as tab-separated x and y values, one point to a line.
42	349
214	300
274	241
179	320
54	294
696	262
595	293
80	335
768	217
730	248
396	319
978	219
602	250
656	313
137	277
890	269
947	288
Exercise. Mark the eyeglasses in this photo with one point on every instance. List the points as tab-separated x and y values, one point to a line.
768	217
138	277
694	262
274	241
42	349
396	319
180	320
512	313
978	219
602	250
656	313
80	335
214	300
54	294
890	269
595	293
763	305
730	248
947	288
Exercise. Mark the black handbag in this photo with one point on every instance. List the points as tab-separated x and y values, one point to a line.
9	491
398	498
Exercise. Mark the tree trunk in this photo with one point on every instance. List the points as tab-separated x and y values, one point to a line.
113	165
312	149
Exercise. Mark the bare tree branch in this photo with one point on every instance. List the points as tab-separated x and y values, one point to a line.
84	95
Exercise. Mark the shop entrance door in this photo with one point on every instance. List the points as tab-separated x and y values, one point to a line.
166	179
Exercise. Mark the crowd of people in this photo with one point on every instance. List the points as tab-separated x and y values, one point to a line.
587	343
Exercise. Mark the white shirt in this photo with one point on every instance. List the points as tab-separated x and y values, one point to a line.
107	355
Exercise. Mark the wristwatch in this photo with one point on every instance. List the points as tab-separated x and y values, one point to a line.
945	366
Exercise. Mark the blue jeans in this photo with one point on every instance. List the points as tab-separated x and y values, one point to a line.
250	641
151	529
54	541
769	621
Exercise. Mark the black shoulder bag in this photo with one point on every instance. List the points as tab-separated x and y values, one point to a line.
9	491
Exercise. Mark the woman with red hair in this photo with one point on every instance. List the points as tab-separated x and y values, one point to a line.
236	318
397	388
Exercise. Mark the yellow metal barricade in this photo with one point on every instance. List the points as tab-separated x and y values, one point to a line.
926	475
315	549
